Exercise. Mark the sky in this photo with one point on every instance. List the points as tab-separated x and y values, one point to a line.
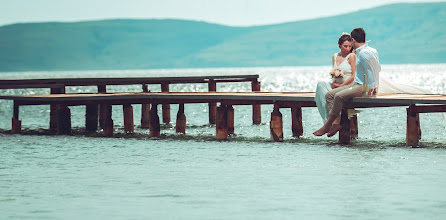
225	12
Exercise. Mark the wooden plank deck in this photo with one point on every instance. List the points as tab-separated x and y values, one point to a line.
234	98
416	104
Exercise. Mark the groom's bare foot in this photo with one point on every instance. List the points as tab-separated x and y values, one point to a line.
321	131
334	129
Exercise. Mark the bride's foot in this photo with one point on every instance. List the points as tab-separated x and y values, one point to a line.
321	131
334	129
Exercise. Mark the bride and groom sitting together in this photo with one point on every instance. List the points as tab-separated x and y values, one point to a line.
352	73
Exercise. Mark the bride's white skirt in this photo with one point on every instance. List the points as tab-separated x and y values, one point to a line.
387	86
322	89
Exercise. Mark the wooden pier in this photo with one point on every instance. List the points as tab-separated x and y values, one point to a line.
416	104
58	86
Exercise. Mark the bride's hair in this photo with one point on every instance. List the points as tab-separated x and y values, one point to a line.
345	37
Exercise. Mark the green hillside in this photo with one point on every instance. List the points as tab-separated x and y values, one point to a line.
402	33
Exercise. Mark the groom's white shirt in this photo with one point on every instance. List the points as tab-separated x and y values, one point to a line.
367	62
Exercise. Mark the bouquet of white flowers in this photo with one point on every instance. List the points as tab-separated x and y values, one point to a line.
337	75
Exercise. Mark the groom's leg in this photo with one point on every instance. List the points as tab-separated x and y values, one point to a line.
353	90
338	102
329	96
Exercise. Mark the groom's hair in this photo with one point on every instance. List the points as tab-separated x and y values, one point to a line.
359	35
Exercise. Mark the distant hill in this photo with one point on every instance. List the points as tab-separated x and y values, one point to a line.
402	33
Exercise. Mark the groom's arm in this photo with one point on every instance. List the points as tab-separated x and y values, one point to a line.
370	64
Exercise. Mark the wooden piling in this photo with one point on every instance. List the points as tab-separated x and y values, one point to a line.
256	109
413	131
296	119
181	120
108	121
91	118
16	127
53	117
129	126
426	109
221	123
212	87
166	107
54	108
63	120
155	128
230	119
102	107
145	116
345	133
276	125
145	110
354	127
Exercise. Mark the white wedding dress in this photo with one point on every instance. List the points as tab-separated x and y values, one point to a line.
385	86
325	86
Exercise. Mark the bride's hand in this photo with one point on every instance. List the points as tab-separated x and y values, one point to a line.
335	85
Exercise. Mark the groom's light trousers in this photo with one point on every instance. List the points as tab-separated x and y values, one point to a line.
336	97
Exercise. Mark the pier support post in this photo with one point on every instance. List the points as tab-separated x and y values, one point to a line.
181	120
413	131
230	119
102	107
108	121
64	120
354	126
91	118
221	123
212	87
129	126
345	133
155	128
16	127
53	117
145	110
296	119
166	107
54	108
256	109
276	125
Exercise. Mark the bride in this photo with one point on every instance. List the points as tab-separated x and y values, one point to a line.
343	73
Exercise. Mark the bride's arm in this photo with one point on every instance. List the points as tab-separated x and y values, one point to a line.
352	62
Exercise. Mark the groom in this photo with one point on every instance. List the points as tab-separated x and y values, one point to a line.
367	63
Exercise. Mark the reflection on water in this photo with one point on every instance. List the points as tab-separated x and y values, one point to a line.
193	176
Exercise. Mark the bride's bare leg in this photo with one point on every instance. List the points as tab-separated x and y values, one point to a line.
326	127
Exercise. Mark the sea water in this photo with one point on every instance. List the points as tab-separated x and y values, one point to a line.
194	176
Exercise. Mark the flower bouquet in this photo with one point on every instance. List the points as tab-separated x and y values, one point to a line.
337	75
